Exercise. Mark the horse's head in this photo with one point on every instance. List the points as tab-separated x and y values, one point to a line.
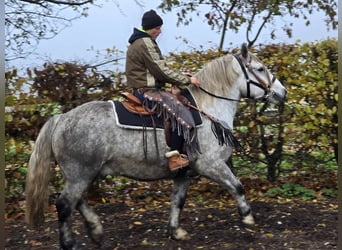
261	84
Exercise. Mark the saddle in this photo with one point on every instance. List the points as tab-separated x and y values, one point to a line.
134	105
168	107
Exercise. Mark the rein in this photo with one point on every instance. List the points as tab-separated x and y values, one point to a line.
217	96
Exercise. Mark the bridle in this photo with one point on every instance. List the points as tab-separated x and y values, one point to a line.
261	83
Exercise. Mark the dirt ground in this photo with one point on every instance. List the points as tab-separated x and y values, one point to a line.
139	222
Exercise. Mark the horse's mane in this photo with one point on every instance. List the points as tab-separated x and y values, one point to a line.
218	75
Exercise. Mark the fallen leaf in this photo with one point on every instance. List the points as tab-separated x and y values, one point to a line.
35	243
269	235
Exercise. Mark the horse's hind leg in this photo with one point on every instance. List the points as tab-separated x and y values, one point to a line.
178	197
71	197
92	220
65	207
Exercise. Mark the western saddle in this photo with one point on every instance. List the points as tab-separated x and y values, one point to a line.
134	105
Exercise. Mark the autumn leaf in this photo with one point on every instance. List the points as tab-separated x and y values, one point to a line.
35	243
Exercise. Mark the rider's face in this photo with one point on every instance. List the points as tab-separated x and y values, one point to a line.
154	33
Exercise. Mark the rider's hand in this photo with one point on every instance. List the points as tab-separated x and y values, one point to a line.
194	81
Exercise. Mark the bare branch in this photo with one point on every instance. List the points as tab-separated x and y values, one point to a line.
69	3
246	12
265	21
29	21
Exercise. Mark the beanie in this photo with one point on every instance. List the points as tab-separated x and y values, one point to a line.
151	20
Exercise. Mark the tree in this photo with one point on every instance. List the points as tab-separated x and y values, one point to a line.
71	84
252	15
307	125
28	21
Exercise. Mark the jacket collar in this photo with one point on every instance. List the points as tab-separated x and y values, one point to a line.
137	34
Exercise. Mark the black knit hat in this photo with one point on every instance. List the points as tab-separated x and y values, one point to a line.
151	20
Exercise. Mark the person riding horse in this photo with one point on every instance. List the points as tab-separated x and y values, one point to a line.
87	142
147	70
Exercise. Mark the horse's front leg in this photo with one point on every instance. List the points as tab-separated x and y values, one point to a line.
179	192
238	193
223	175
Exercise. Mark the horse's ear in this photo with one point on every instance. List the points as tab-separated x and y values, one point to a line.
244	51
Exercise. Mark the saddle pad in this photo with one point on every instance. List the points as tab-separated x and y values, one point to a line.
127	119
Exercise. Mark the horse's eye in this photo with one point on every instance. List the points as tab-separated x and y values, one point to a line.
261	69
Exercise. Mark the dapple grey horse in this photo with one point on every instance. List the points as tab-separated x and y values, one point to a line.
87	143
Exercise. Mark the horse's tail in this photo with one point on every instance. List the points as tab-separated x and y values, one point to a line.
38	174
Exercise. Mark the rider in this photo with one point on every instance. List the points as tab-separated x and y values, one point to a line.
146	69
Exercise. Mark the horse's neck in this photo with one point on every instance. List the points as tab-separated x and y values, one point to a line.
219	108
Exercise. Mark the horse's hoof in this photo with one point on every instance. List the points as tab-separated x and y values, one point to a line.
97	235
181	234
248	219
72	245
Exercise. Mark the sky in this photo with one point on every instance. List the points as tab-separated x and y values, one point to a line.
109	27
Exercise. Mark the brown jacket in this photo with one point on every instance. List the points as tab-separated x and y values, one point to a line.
145	65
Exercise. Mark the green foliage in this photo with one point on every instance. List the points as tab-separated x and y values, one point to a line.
329	192
17	155
70	84
310	74
306	126
17	152
192	61
290	190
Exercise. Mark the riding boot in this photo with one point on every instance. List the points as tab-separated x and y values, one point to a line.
176	160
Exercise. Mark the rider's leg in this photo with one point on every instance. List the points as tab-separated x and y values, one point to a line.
176	160
140	96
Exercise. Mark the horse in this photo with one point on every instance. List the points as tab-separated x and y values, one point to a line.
87	143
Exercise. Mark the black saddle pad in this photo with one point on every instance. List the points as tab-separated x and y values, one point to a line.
131	120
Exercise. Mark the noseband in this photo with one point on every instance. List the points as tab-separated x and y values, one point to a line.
261	84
